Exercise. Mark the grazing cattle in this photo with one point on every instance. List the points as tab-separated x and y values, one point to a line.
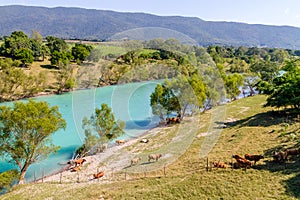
254	158
280	156
237	157
79	161
220	164
135	161
119	142
242	162
154	157
98	175
172	120
75	169
292	152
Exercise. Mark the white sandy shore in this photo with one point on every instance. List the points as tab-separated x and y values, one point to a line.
114	159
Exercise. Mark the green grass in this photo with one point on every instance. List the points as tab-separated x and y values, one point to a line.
250	129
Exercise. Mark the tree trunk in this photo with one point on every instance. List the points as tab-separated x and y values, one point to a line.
22	177
22	174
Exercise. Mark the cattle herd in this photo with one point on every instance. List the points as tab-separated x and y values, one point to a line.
77	164
250	160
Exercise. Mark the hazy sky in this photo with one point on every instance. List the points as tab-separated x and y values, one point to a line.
273	12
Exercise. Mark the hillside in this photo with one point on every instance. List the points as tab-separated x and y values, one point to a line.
251	128
103	25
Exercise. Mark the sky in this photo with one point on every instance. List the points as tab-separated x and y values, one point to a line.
269	12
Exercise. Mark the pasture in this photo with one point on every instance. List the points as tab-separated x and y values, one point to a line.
249	128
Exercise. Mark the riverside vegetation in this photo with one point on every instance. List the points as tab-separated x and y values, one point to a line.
213	73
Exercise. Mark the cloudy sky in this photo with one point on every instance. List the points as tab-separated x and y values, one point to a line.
271	12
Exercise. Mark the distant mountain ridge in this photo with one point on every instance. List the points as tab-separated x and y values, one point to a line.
82	23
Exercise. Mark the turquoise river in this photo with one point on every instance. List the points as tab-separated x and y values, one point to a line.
129	102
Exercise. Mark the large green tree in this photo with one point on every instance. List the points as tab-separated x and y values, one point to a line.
25	131
284	91
13	43
178	94
81	51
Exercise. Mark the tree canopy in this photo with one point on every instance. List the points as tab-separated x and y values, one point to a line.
103	123
25	131
284	90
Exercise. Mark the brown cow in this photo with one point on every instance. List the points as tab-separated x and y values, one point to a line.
154	157
280	156
172	120
254	158
79	161
237	157
135	161
75	169
242	162
292	152
98	175
220	164
119	142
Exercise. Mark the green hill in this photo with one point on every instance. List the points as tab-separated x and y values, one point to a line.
103	25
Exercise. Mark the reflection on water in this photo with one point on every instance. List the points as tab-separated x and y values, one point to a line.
129	102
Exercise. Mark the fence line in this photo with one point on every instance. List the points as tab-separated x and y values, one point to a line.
114	176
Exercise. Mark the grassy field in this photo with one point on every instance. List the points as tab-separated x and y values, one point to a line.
250	128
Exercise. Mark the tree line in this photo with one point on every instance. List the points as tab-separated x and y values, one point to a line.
20	51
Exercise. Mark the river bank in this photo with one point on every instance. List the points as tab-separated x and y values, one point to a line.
115	158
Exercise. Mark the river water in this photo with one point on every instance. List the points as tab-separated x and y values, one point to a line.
129	102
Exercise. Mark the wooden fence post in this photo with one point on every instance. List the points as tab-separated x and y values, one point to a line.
60	177
125	175
77	177
207	164
165	170
43	175
34	177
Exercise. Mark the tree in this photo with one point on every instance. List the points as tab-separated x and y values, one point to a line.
25	131
232	84
265	70
178	94
284	91
81	51
56	44
66	81
104	124
163	101
60	58
7	179
24	55
35	35
190	92
13	43
15	83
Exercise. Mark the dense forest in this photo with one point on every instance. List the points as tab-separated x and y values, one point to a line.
105	25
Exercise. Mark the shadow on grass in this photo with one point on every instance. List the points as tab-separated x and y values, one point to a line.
290	167
265	119
49	67
292	185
